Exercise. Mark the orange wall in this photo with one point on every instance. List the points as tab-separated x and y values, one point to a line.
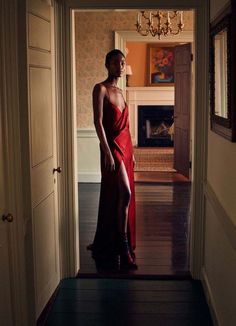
137	59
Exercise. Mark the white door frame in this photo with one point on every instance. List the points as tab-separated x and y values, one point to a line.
201	116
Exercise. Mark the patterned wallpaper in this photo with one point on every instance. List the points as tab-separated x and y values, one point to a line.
94	37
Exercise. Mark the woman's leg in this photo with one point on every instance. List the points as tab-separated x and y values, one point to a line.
124	199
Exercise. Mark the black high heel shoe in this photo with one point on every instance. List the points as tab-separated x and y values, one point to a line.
126	259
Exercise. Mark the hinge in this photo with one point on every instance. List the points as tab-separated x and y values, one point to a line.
191	56
190	164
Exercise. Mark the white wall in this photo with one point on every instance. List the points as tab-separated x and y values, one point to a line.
220	261
221	172
88	156
220	212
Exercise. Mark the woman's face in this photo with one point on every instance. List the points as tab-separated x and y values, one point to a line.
116	65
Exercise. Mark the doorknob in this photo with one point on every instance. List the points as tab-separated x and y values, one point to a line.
57	170
8	218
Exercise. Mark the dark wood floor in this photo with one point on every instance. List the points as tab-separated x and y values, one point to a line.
160	177
119	302
108	300
162	212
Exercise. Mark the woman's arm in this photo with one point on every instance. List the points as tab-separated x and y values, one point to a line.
99	92
134	161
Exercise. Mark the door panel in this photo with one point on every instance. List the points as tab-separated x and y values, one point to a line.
43	150
42	182
5	294
44	234
182	108
41	28
41	114
40	8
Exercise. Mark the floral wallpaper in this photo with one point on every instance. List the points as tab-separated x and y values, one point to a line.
94	37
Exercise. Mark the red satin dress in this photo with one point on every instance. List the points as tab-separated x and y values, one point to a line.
116	126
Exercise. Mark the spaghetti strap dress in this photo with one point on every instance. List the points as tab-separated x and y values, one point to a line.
116	126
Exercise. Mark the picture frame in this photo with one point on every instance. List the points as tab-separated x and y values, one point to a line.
160	64
222	78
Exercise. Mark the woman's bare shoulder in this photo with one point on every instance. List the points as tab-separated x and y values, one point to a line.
99	88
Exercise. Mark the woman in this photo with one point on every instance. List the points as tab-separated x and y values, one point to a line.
115	234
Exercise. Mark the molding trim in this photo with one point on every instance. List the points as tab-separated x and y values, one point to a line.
137	4
68	198
93	177
210	298
86	133
223	217
124	36
137	96
197	227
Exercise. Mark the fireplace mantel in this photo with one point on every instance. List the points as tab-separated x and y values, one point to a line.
162	95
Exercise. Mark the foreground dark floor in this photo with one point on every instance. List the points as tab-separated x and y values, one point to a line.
110	302
121	298
162	220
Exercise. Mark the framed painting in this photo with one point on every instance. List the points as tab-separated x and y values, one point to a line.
160	65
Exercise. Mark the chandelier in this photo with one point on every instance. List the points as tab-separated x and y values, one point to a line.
160	23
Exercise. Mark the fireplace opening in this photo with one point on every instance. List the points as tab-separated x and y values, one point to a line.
155	125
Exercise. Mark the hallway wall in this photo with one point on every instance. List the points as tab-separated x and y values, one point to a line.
90	50
94	37
220	231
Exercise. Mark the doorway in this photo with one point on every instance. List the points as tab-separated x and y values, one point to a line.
201	102
89	72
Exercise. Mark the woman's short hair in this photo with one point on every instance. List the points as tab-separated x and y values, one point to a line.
112	54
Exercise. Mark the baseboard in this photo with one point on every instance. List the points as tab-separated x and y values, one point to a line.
210	298
91	177
86	133
46	310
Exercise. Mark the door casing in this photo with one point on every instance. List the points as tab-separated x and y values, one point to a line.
9	88
199	147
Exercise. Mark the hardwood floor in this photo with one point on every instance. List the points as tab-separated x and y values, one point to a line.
162	212
119	302
157	176
112	298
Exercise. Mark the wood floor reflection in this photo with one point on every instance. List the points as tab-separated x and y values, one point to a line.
162	229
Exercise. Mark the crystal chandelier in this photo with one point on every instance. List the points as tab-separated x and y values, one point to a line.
160	23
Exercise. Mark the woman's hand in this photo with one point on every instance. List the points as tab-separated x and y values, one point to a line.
109	162
134	161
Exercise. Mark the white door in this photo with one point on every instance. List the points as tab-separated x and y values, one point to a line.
5	294
43	154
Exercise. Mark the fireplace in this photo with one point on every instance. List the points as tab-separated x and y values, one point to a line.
155	125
